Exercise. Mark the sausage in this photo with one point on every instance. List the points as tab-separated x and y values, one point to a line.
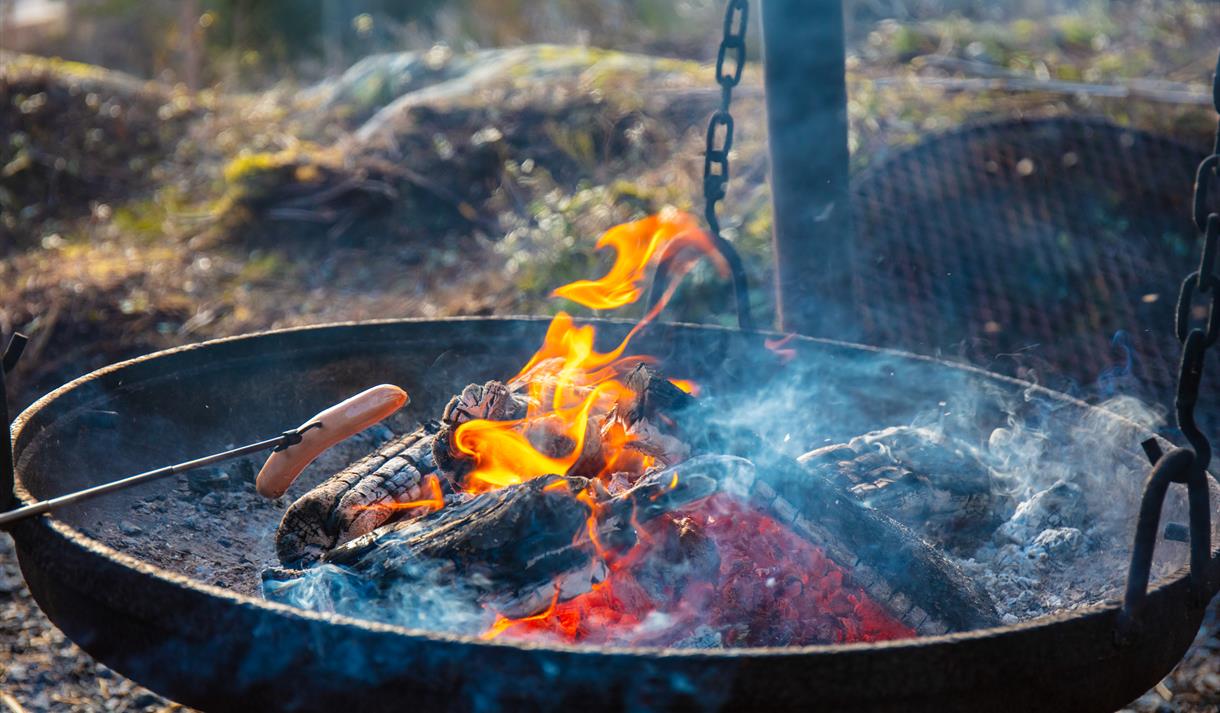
338	422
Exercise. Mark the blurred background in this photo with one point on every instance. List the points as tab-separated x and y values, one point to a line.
173	171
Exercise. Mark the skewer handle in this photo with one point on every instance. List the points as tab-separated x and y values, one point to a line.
284	440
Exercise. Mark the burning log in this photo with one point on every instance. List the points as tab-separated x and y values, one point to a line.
518	547
526	545
887	558
357	499
373	490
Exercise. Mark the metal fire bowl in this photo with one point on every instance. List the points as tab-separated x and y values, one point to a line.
217	649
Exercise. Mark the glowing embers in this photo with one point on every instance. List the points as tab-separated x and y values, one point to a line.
591	499
720	573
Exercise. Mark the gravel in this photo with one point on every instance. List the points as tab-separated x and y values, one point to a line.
41	670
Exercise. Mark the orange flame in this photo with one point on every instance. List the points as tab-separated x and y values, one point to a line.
568	377
434	501
635	244
781	349
502	623
686	385
570	388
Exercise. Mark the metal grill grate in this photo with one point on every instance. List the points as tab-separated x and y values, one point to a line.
1031	243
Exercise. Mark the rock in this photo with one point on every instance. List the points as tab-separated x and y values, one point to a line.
81	142
437	143
130	529
207	480
213	502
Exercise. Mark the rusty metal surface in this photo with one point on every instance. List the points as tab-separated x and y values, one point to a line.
210	647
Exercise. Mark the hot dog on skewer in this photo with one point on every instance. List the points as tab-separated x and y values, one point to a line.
341	421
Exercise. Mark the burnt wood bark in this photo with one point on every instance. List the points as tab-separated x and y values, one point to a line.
364	495
345	504
516	547
931	483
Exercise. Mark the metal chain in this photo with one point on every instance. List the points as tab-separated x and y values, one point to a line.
1196	340
730	63
720	127
1184	465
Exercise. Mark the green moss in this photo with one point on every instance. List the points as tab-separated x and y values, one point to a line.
245	165
910	41
262	266
143	219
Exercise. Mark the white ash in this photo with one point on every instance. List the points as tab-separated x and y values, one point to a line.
1059	506
1065	499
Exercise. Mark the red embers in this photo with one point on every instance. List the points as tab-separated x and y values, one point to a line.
775	588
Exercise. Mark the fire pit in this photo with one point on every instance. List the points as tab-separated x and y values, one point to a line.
948	539
179	611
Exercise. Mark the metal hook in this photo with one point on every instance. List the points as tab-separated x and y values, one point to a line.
1179	465
293	436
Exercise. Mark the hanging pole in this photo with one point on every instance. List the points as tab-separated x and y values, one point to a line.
803	52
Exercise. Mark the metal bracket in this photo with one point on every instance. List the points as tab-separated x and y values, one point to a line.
1179	465
8	361
662	282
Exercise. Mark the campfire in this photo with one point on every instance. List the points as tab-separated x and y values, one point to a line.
591	499
645	515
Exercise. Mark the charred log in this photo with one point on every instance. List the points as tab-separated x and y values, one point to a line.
926	481
366	494
352	502
912	575
523	546
517	547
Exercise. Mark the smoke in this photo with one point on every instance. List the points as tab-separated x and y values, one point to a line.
433	597
1064	478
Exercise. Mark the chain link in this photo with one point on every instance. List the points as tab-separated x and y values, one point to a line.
730	64
720	126
1196	340
1183	465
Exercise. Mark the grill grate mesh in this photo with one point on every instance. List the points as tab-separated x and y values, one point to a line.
1026	246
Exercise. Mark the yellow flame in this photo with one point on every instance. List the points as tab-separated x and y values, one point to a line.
568	380
635	244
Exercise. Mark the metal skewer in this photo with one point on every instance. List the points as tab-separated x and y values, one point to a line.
283	441
279	442
8	360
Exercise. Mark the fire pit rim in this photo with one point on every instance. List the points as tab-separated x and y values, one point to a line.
73	536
